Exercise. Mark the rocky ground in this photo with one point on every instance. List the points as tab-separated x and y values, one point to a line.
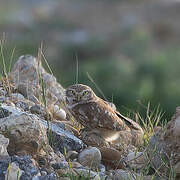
41	140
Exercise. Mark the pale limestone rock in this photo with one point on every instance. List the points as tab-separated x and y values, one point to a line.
26	133
26	75
13	172
3	145
164	147
59	113
90	157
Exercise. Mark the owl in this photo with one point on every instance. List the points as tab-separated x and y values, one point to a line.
93	112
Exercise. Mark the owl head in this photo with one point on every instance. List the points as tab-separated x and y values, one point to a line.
79	93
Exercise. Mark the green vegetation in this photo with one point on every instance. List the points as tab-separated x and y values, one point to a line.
139	73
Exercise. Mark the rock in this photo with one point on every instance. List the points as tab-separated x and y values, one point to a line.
4	163
60	165
4	142
164	147
60	155
13	172
136	160
43	173
111	158
30	170
2	99
88	173
59	113
72	155
76	165
120	174
62	140
24	105
66	173
90	157
27	73
39	110
4	112
50	176
54	158
26	133
102	168
2	92
16	97
66	165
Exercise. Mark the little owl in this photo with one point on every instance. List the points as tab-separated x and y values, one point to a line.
93	112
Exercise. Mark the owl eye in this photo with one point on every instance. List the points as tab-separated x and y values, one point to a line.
85	93
72	92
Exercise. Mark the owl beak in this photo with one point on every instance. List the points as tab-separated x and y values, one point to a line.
78	97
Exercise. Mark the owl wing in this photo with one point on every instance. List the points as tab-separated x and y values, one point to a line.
107	116
129	122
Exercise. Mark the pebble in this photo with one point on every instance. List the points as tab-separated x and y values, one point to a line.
59	113
4	113
90	157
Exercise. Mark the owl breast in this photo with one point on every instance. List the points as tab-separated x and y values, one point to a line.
97	115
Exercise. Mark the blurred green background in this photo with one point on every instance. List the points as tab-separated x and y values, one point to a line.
131	48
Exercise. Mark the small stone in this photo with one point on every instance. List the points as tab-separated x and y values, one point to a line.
90	157
72	155
13	171
60	165
2	92
43	173
9	103
22	105
102	168
37	109
120	174
136	160
59	113
3	145
33	99
2	99
62	172
87	173
16	97
4	113
27	164
75	165
4	163
60	155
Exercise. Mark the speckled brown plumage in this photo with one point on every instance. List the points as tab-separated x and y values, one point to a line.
93	112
